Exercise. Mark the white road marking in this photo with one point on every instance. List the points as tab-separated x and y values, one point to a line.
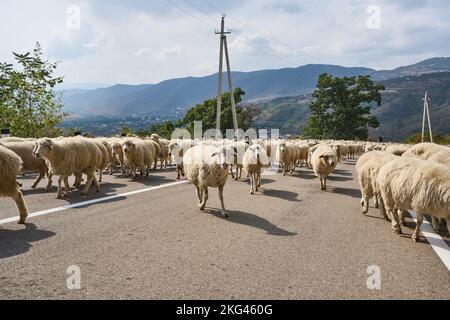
89	202
437	243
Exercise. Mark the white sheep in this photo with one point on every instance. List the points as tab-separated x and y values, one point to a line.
163	151
75	155
285	155
207	166
138	155
408	183
367	174
253	160
177	149
423	150
30	163
10	167
397	149
324	161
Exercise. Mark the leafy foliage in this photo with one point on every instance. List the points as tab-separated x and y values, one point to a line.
341	108
247	114
29	104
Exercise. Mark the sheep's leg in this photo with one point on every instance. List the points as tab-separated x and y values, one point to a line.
178	173
395	221
448	225
66	185
325	183
205	198
199	195
161	159
240	171
20	203
100	175
224	214
60	194
252	188
382	208
321	184
366	204
49	182
231	171
435	224
90	178
377	205
416	234
38	179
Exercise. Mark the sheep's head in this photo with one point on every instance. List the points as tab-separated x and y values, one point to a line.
226	156
173	147
128	147
42	148
328	160
155	137
282	147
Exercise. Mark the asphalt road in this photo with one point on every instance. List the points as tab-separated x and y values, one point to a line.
290	241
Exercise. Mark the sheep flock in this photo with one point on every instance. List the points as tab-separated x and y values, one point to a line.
397	177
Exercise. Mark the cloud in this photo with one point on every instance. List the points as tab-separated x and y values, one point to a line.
144	41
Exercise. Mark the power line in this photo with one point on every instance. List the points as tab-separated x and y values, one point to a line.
200	10
190	14
258	31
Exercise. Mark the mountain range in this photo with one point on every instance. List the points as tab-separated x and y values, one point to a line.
280	92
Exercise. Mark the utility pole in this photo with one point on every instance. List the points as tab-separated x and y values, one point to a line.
224	47
426	115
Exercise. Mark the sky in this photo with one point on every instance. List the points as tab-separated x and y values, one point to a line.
148	41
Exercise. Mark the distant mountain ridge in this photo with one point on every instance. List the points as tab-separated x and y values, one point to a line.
176	95
277	91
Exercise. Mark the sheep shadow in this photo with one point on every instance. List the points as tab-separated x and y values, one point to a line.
355	193
281	194
338	178
253	221
16	242
342	172
303	174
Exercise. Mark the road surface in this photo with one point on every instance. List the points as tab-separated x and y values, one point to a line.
290	241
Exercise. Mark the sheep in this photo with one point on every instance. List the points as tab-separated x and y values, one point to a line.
103	162
239	148
423	150
164	152
285	155
117	152
324	161
310	153
207	166
138	154
75	155
157	152
11	165
397	149
16	139
29	163
408	183
110	159
367	174
253	160
177	149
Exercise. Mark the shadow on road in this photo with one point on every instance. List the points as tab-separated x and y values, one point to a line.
254	221
339	178
355	193
342	172
15	242
281	194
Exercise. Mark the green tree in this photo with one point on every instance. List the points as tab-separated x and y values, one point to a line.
29	104
206	112
341	108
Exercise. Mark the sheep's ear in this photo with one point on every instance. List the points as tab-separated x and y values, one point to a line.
322	156
214	154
